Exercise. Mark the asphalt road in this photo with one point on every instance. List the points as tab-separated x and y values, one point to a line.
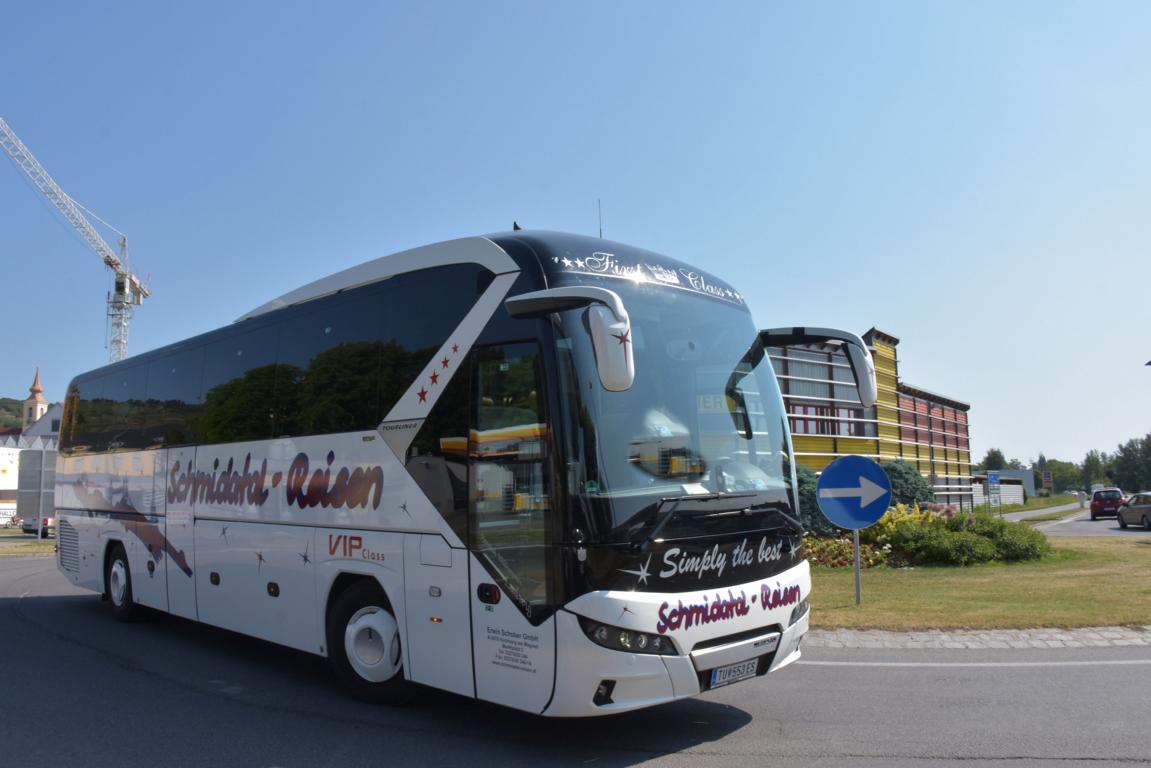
80	689
1083	525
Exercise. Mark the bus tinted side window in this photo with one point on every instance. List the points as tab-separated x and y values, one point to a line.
174	398
239	386
426	307
88	413
124	390
328	365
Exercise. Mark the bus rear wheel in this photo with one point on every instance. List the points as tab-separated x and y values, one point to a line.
118	583
364	645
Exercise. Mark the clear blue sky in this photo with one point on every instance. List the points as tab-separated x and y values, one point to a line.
971	177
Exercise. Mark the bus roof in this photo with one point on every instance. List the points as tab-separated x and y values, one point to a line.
475	250
568	259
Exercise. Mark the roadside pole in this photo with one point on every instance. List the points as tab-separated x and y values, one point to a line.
993	497
853	492
858	570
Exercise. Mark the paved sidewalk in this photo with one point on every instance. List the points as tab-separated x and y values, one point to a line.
1083	637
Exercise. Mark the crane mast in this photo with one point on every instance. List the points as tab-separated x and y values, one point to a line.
128	291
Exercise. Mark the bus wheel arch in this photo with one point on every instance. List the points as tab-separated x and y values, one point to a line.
118	581
363	640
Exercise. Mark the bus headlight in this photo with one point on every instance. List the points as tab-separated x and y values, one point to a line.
799	610
627	640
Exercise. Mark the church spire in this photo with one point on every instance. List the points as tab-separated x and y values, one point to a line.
35	406
36	390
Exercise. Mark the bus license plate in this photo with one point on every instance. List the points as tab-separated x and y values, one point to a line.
733	673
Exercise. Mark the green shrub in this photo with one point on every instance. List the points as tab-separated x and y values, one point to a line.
1020	541
964	548
955	538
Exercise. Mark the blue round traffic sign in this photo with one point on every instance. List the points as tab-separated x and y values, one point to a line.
853	492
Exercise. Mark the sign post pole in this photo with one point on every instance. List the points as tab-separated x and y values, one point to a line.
858	577
854	492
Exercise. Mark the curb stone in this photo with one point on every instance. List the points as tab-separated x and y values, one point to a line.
1082	637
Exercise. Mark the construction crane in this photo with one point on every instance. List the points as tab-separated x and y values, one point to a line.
128	291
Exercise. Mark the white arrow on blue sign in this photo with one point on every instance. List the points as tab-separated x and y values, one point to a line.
853	492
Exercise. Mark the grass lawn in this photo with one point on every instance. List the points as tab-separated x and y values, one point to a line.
1037	502
1101	581
27	545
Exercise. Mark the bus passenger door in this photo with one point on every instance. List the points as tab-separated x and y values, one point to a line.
179	553
439	638
514	648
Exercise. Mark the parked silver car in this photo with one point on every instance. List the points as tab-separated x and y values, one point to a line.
1136	510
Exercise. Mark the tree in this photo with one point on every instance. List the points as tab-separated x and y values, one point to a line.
813	520
1131	469
907	485
1064	475
994	460
1093	469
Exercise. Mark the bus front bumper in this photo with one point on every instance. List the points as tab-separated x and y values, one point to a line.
622	682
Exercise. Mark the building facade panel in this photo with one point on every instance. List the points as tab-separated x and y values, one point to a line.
827	420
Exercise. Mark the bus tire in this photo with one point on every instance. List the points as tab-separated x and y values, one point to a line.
118	583
364	645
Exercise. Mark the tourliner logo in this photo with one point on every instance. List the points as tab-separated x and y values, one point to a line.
722	608
326	486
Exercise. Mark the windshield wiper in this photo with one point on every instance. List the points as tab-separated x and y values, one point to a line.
663	517
789	522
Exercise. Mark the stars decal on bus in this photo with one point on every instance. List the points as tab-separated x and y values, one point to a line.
435	372
304	555
623	337
260	561
642	573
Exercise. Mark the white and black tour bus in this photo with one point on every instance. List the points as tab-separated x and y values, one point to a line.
542	470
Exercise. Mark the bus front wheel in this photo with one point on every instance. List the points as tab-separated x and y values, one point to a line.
118	583
364	644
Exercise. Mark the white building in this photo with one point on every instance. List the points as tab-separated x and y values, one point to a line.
28	460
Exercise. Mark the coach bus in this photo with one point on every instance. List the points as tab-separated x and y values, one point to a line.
542	470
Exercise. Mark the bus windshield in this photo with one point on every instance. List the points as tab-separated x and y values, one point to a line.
672	435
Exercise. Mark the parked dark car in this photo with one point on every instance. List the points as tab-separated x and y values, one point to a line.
1106	501
1136	511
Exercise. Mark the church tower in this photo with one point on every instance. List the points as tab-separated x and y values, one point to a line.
35	406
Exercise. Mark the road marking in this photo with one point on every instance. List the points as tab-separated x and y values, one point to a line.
979	664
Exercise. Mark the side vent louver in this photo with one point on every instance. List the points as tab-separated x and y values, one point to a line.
68	544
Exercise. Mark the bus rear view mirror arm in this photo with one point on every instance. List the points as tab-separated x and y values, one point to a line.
607	322
858	355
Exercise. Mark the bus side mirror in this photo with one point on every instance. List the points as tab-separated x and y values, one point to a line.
607	321
858	355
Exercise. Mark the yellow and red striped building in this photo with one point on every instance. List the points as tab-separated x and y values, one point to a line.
925	429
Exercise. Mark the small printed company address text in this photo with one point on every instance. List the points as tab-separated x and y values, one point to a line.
514	649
